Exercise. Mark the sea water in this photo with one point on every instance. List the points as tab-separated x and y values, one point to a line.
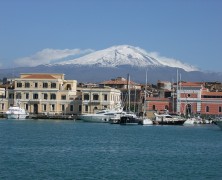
54	149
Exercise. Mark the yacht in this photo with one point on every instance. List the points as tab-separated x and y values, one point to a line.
102	116
15	112
129	118
167	119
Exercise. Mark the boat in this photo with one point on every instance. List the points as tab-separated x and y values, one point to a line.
16	112
167	119
193	120
146	121
129	119
103	116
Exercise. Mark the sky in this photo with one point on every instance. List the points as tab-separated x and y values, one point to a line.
34	32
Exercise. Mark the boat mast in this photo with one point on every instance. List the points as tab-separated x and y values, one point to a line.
129	93
144	105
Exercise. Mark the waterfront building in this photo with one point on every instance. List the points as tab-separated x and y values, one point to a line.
187	98
130	92
97	98
44	93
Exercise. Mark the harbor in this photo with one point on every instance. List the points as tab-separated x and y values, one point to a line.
64	149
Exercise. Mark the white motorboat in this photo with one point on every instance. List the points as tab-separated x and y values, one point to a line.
146	121
103	115
15	112
166	119
193	120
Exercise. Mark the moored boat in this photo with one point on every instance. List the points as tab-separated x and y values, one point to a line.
103	116
167	119
15	112
129	119
146	121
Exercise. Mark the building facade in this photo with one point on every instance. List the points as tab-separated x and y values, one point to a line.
97	98
44	93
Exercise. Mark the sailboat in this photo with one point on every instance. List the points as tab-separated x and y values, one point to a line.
145	120
129	118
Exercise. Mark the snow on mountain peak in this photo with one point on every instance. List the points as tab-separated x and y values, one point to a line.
126	55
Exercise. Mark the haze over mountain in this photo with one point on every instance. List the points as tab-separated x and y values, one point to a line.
118	61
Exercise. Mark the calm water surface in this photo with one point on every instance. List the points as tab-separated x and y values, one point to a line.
47	149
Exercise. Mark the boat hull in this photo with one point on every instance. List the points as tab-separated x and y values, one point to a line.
95	118
127	120
177	122
17	116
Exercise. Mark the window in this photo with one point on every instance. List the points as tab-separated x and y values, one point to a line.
27	95
154	107
45	96
53	85
166	107
53	96
220	109
35	96
45	85
11	96
52	107
18	96
3	105
80	108
63	97
105	97
86	108
36	85
71	107
26	106
44	107
207	108
68	86
63	107
86	97
95	97
27	85
19	84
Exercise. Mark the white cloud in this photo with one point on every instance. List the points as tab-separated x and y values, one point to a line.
47	56
172	62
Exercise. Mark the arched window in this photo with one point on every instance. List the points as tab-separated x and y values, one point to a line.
166	107
52	96
154	107
207	109
220	109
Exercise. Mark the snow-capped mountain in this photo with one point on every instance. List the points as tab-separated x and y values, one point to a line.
118	61
126	55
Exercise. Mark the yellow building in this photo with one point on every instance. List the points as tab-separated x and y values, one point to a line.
44	93
94	98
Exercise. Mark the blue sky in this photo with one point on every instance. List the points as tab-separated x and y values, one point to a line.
186	30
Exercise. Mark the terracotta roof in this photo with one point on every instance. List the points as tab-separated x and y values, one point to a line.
193	84
117	82
207	93
39	76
